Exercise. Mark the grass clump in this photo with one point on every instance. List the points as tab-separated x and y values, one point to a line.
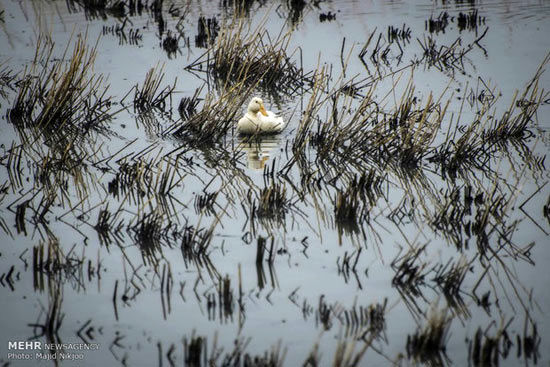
195	353
410	272
353	129
272	202
269	205
215	119
59	107
63	96
207	31
351	205
149	95
429	343
103	8
487	349
514	125
242	54
7	79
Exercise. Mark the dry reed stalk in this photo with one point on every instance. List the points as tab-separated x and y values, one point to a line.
242	54
150	95
63	96
216	118
429	343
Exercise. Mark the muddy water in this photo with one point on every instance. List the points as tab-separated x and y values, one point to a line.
143	299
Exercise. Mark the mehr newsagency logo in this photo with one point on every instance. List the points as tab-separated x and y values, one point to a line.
37	350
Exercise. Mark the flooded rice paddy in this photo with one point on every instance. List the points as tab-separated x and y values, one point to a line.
401	218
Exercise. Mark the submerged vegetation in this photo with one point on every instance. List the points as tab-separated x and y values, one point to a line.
406	199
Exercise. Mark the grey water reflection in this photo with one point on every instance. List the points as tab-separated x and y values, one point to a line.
259	149
400	219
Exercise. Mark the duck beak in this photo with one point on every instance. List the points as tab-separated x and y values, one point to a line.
262	110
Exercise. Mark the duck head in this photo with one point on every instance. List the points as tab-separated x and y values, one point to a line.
257	105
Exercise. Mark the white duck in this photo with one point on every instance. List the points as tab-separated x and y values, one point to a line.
259	121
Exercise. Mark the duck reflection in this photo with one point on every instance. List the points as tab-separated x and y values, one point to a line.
258	149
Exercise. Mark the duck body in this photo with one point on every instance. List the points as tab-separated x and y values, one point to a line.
259	121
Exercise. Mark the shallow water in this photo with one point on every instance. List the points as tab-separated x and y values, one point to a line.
150	298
